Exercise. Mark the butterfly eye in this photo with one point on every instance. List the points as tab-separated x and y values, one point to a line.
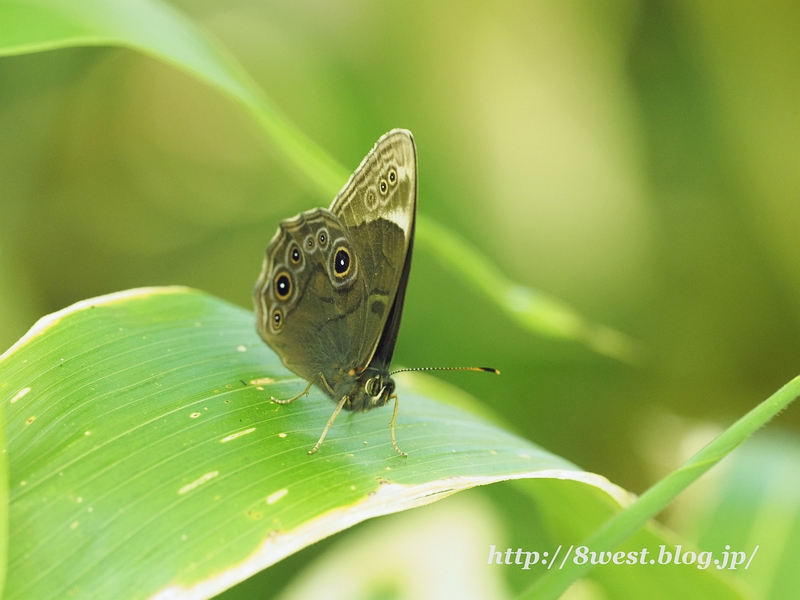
283	286
341	262
383	186
392	176
277	319
294	255
372	387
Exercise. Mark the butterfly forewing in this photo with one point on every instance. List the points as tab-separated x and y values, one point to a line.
378	206
309	312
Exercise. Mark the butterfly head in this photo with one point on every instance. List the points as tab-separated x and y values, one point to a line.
376	390
379	389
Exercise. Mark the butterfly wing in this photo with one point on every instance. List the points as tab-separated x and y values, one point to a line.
378	207
311	296
330	295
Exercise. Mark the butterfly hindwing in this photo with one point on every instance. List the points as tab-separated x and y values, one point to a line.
311	308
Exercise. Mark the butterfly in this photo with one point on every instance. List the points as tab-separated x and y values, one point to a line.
330	295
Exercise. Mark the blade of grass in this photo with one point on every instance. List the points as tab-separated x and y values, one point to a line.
3	505
158	30
653	501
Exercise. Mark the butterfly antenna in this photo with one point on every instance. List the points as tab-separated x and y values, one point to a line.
484	369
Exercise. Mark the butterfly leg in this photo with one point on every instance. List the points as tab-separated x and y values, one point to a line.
304	392
391	425
339	406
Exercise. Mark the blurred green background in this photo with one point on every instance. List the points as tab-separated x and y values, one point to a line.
637	160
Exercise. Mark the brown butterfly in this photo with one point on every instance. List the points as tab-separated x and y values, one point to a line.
330	295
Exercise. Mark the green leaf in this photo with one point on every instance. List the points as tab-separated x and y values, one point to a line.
443	550
756	501
145	453
3	503
158	30
576	511
655	499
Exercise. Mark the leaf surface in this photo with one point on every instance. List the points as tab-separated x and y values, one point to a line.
146	455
